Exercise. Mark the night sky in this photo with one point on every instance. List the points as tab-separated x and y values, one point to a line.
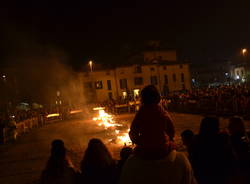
107	31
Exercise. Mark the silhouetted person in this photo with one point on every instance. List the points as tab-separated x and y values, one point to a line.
187	137
59	169
97	165
124	155
211	154
241	146
152	129
174	168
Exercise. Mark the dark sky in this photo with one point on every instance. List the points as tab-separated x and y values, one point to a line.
104	30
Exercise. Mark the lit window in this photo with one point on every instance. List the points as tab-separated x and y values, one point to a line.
98	85
136	93
124	94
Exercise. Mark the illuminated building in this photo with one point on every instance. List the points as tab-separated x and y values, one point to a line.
127	81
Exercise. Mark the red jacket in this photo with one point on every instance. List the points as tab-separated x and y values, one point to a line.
151	127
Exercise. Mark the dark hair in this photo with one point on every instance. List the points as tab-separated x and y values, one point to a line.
187	134
209	126
150	95
55	164
236	125
96	156
125	153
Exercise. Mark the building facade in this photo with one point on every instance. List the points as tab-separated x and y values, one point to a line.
127	81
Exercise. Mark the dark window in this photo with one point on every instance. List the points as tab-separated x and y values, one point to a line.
183	86
153	80
164	67
182	77
152	69
138	80
138	69
98	84
238	73
123	83
109	84
174	77
108	73
165	79
181	66
242	72
110	95
88	85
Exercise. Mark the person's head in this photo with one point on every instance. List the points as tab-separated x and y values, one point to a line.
150	95
96	155
125	153
55	164
236	126
209	126
58	150
187	137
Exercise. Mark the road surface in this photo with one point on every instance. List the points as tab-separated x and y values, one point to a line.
21	162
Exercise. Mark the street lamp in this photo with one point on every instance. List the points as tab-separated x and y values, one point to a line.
244	51
91	65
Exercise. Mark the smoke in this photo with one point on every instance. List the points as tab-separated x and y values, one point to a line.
38	72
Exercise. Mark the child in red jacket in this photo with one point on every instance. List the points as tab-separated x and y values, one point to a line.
152	129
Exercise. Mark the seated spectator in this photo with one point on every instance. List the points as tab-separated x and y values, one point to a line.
152	129
241	145
174	168
211	155
187	140
97	165
124	155
59	169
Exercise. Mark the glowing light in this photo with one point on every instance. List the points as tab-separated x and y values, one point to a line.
98	108
124	139
91	65
136	92
75	111
53	115
106	120
244	51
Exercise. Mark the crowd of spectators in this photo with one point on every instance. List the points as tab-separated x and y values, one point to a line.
220	100
211	156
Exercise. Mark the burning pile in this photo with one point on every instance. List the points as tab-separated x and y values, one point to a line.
107	121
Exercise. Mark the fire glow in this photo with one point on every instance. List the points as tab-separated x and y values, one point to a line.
53	115
106	121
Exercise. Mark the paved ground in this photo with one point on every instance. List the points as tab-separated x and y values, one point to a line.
21	162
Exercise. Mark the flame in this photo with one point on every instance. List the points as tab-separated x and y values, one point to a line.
106	120
75	111
124	139
53	115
